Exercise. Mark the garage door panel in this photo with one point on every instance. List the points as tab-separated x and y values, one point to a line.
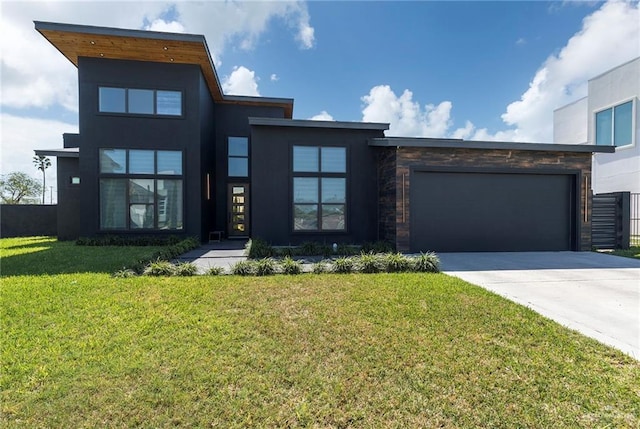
490	212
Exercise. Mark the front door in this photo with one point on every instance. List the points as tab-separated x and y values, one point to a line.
238	210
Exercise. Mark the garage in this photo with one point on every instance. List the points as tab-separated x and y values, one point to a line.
471	211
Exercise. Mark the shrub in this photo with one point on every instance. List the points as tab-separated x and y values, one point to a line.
343	265
243	268
426	263
265	267
290	266
396	263
370	263
185	269
319	267
119	240
159	268
124	273
259	248
214	271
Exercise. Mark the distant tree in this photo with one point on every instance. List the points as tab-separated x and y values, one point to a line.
17	187
42	163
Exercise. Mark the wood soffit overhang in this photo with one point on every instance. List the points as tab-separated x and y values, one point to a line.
75	41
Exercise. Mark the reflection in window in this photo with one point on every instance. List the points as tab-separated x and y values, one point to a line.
113	203
112	100
169	103
238	157
319	188
139	101
113	161
148	202
614	126
169	162
141	162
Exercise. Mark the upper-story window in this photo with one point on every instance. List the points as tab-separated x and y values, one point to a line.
139	101
319	188
238	160
614	126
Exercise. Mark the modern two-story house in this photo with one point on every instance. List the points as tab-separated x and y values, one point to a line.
162	150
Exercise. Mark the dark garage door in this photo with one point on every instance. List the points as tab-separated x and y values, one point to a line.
475	212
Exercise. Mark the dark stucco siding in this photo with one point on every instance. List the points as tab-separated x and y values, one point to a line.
207	160
100	130
272	182
232	121
69	195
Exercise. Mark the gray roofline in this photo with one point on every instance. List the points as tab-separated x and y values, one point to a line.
569	104
613	68
259	99
67	152
473	144
307	123
122	32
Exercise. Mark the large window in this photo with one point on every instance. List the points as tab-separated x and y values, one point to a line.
141	189
614	126
139	101
319	188
238	160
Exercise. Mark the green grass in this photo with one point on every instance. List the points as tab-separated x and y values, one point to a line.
633	252
46	255
335	350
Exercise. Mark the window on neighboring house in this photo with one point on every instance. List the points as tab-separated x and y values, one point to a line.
319	188
238	156
139	101
614	126
141	189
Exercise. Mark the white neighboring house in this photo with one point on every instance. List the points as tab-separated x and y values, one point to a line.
608	115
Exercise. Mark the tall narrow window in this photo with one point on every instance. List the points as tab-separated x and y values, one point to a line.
238	160
319	188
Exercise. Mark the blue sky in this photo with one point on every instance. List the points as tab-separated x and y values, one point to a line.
473	70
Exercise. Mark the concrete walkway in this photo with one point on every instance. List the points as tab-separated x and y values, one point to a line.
222	254
594	293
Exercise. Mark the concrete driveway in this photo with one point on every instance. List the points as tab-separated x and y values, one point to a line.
594	293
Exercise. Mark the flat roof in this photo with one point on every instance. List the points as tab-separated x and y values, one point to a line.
75	41
475	144
308	123
67	152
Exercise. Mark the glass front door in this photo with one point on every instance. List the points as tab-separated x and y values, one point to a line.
238	216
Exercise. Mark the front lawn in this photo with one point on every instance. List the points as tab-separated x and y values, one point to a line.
366	350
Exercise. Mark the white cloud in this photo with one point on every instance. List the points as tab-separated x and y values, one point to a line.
166	26
521	41
405	116
322	116
610	36
241	81
274	78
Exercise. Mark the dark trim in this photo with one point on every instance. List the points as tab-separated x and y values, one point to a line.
121	32
486	145
71	152
306	123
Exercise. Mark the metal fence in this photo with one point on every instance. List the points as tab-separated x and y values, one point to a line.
634	219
